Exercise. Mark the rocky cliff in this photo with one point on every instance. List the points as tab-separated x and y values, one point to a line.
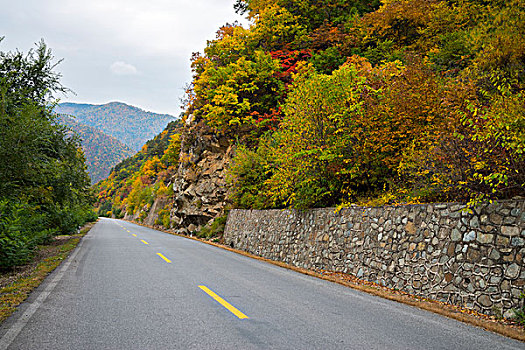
199	184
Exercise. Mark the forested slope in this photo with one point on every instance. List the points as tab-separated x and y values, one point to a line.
141	178
130	125
337	102
102	151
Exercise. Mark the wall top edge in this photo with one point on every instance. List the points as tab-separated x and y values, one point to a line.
394	206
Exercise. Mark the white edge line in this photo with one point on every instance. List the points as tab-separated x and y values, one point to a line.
20	323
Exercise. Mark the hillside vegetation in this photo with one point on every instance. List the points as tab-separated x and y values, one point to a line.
140	179
337	102
130	125
102	151
44	187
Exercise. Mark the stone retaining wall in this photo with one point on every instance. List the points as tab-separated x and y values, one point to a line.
440	251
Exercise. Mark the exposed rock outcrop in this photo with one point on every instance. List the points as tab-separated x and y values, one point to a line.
199	185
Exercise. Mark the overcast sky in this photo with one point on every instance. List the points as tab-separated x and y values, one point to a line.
132	51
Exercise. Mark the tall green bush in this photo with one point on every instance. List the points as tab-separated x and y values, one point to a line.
44	185
21	229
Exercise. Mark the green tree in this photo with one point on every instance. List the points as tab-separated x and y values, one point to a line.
40	163
29	77
228	94
314	148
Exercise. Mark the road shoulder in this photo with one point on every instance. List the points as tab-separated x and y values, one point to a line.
17	285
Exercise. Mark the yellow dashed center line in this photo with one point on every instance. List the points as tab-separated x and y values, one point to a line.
223	302
164	258
143	241
134	235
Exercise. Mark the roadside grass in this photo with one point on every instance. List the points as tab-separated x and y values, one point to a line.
16	285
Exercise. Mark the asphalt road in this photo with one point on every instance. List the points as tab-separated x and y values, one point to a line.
130	287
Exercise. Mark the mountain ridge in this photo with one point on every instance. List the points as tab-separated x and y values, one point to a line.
130	125
102	152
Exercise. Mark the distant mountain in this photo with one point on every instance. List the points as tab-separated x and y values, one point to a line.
102	151
131	125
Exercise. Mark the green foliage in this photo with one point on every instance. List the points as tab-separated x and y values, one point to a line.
247	175
328	60
215	229
447	124
104	208
311	12
519	314
22	228
28	77
117	212
164	218
228	94
38	159
69	218
498	164
314	137
277	28
172	152
380	51
454	53
498	45
42	170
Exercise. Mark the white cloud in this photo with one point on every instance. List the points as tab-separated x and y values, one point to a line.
123	68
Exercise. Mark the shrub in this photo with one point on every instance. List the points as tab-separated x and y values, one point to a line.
117	212
143	215
91	215
215	229
164	218
104	209
246	178
22	228
519	314
67	219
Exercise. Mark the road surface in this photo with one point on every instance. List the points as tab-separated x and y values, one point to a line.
130	287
